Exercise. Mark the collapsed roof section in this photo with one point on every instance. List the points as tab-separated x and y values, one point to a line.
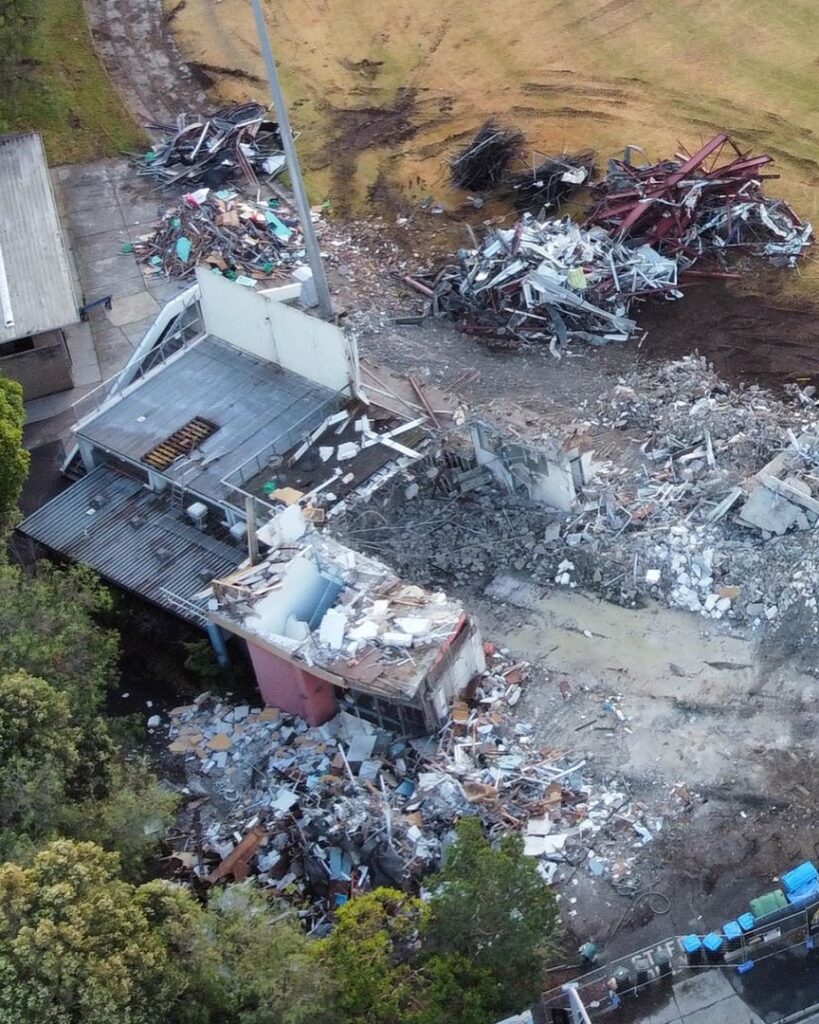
348	620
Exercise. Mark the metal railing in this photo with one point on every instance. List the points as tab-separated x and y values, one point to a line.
176	326
775	934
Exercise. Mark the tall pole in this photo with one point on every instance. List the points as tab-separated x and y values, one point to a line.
302	205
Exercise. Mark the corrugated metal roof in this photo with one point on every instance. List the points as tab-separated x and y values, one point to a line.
41	287
113	523
252	402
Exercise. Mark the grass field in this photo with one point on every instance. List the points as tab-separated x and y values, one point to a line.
65	93
389	89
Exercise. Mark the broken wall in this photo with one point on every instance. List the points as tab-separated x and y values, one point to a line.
457	665
264	327
545	476
298	605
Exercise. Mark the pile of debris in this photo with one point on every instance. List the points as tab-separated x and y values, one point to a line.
550	280
242	239
319	814
482	164
700	205
550	183
236	143
553	280
566	818
711	504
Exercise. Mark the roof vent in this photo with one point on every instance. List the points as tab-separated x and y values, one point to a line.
180	442
163	555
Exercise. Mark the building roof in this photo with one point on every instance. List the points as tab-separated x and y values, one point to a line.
40	282
250	401
115	524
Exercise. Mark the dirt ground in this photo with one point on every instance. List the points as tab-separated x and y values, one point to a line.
702	709
389	91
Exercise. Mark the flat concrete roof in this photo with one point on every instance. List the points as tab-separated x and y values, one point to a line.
40	286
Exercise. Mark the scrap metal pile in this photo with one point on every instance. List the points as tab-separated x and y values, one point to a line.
319	814
550	183
485	165
242	239
482	164
553	280
700	205
234	144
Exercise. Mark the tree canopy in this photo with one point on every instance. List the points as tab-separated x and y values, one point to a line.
38	755
78	945
247	962
491	905
372	953
75	945
14	458
48	629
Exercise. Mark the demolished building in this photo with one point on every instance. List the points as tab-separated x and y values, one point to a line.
321	620
238	410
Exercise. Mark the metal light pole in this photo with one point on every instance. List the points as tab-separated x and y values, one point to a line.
302	204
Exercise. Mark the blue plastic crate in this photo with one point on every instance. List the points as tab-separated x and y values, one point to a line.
804	894
692	943
713	942
732	930
747	922
799	877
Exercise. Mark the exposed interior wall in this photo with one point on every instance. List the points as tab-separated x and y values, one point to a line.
458	664
292	688
259	323
547	477
279	613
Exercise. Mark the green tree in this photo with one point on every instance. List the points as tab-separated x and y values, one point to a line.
131	816
490	905
245	961
38	755
48	628
76	946
373	952
14	458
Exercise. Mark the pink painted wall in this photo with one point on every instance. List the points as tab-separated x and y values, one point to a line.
291	688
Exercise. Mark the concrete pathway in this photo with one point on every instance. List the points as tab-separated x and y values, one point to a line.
136	47
102	207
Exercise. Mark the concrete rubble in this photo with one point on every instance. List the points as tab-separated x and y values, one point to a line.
319	814
710	505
